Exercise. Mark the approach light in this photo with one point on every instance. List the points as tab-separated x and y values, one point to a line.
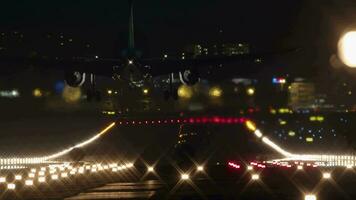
347	49
145	91
2	179
185	177
300	167
249	168
130	62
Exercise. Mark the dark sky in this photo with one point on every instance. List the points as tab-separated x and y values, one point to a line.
183	21
169	22
162	25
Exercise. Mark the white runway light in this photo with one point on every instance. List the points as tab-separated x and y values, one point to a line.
255	177
18	177
150	169
54	177
200	168
326	175
11	186
310	197
29	182
185	176
41	179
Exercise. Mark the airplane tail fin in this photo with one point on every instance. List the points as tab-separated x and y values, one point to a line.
131	37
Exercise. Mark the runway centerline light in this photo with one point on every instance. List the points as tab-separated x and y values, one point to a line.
310	197
185	176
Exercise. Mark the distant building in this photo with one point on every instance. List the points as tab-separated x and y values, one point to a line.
234	49
227	49
193	50
302	95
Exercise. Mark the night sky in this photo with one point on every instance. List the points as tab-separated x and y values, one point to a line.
168	26
165	24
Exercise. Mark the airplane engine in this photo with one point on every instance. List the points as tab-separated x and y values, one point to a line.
74	79
189	77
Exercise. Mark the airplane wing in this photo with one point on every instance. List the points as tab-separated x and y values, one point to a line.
102	67
160	66
155	66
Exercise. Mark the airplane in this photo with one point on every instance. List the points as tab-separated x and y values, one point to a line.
132	68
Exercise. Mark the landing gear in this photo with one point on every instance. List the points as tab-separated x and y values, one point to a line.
92	93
